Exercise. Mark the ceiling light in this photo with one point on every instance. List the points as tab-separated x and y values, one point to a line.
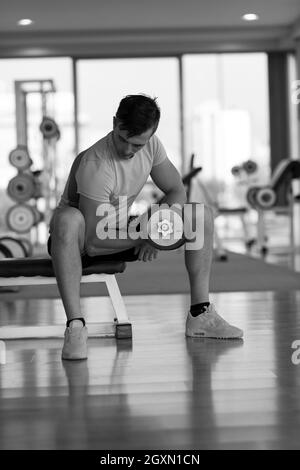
250	17
25	22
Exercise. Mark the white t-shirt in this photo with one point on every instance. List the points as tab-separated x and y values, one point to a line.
98	173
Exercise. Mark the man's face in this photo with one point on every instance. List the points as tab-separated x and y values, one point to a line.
127	146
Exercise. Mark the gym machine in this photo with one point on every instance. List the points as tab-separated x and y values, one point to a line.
34	192
279	197
198	192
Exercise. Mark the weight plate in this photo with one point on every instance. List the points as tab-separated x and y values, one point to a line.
15	246
5	252
250	196
19	158
49	128
27	246
165	229
21	188
235	170
20	218
265	198
250	167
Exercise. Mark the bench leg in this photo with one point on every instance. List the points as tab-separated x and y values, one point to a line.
123	325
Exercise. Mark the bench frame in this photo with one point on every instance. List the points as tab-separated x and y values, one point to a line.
120	328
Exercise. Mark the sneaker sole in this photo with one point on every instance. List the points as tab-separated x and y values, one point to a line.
203	334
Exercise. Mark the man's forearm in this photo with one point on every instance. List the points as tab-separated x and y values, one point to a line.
174	197
96	245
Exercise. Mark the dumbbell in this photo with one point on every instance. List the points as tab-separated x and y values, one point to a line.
162	226
21	188
19	158
49	128
165	229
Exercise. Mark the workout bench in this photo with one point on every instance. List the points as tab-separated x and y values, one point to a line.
39	271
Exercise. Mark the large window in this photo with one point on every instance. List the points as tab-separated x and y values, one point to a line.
226	114
103	83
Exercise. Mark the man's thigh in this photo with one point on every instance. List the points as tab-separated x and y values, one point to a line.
125	255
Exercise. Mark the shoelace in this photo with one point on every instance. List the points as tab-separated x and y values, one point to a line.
215	319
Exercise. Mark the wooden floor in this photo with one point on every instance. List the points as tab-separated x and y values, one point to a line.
160	391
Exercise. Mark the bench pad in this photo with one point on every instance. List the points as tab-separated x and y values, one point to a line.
29	267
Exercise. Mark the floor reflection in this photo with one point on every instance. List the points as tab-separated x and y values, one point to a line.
205	354
97	412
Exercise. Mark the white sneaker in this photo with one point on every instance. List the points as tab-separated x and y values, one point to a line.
210	325
75	344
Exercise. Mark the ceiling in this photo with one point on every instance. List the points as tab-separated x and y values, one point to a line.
83	15
74	19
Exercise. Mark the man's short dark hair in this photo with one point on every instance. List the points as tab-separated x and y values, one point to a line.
138	114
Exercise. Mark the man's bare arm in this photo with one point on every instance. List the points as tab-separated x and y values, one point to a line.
168	180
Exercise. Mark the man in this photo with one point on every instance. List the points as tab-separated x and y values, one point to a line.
119	165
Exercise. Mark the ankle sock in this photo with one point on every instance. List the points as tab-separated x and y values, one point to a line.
81	319
197	309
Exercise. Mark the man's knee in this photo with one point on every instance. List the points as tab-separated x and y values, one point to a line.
68	224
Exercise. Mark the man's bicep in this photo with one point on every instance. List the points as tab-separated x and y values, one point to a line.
166	177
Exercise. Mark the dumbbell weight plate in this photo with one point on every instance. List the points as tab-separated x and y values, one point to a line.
236	170
165	229
15	246
265	198
250	167
250	196
5	252
19	158
20	218
21	188
49	128
27	246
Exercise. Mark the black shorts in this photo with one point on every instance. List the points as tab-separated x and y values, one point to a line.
125	255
